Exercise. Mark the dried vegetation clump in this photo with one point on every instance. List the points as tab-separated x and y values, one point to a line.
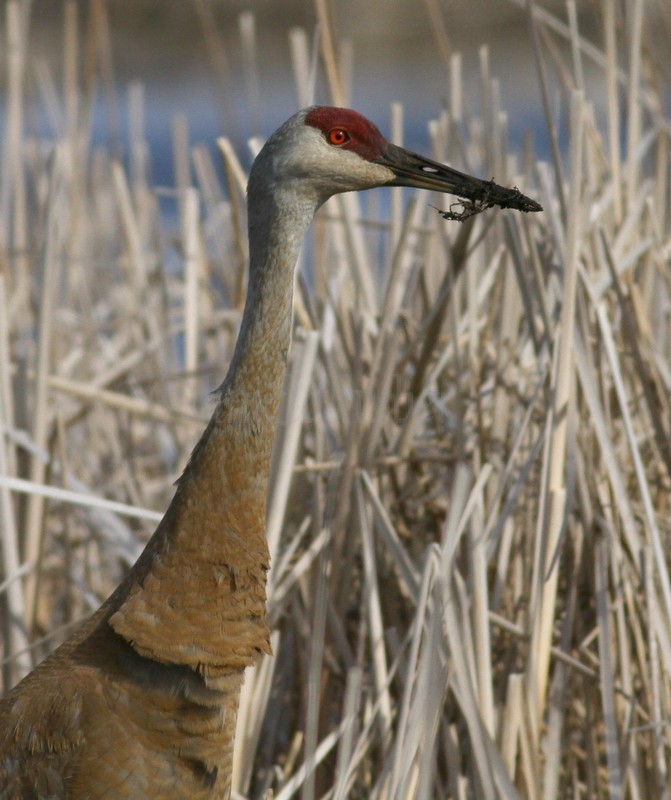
469	516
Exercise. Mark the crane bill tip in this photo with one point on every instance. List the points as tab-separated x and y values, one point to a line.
493	195
520	202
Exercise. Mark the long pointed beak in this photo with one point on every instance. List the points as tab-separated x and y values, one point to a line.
422	173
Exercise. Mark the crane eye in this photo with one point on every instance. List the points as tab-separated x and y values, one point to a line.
338	136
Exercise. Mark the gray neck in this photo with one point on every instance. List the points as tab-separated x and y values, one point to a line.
210	550
277	226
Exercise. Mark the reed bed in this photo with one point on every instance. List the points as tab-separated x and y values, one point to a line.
469	515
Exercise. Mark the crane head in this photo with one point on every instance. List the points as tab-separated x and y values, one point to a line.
333	150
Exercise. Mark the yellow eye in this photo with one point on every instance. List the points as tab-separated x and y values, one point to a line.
338	136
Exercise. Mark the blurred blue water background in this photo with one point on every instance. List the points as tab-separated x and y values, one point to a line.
172	48
187	55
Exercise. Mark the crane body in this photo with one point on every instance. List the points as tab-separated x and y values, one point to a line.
141	701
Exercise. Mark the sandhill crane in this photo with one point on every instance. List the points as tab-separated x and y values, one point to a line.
142	700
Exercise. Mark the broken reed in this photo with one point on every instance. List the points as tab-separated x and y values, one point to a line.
469	508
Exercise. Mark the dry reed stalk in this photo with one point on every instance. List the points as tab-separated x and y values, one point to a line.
328	51
250	63
346	747
14	217
304	64
192	279
287	442
133	405
17	639
375	623
552	506
56	233
79	498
